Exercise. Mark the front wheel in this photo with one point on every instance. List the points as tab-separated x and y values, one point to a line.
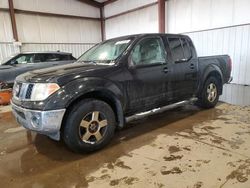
209	95
89	126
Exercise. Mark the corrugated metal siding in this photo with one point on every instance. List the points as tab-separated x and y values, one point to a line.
5	27
236	94
217	27
124	5
69	7
7	49
193	15
234	41
75	49
47	29
141	21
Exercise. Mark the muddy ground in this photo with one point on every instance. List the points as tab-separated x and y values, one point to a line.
184	147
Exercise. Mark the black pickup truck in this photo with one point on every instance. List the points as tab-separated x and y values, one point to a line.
84	102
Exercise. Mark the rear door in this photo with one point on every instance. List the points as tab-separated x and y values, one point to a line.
185	70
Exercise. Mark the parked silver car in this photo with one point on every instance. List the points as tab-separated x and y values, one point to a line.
20	63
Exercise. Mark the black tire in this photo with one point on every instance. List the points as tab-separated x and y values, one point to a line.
74	130
204	100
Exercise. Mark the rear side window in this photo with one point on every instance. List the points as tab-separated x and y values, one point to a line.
176	49
186	48
51	57
65	57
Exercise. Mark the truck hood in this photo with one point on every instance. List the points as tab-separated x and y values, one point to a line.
63	74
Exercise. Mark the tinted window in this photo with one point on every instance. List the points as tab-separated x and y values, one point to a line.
65	57
186	49
176	49
148	51
51	57
39	58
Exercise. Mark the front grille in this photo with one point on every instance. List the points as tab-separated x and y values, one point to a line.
22	91
29	91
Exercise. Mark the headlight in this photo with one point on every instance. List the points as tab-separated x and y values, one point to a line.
41	91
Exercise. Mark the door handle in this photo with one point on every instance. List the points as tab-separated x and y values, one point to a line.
165	70
191	66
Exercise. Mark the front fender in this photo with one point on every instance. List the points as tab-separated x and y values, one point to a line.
77	88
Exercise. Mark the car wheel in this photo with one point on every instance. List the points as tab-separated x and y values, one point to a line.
89	126
209	96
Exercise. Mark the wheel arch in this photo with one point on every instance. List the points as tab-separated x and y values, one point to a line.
212	71
103	95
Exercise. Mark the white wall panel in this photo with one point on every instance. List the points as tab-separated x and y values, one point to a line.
7	49
241	12
45	29
234	41
75	49
193	15
4	4
124	5
218	27
141	21
5	27
69	7
236	94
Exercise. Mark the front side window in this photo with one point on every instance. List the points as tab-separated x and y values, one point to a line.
23	59
148	51
106	52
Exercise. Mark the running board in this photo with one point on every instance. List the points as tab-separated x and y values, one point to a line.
159	110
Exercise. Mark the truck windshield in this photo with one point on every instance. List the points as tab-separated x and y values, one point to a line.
105	52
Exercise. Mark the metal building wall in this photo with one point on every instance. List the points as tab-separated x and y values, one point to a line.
218	27
141	21
39	32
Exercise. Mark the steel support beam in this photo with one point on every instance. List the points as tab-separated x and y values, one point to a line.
13	20
103	31
161	15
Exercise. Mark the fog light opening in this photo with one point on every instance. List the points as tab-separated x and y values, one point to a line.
35	121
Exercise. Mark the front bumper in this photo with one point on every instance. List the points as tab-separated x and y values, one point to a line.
43	122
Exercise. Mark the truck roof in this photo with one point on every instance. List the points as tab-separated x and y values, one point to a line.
46	52
146	34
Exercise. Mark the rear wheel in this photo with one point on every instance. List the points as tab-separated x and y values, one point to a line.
210	93
89	126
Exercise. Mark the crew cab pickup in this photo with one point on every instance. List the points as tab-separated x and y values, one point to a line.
84	102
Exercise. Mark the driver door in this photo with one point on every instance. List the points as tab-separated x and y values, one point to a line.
148	87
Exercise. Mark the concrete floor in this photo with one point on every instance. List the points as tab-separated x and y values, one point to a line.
184	147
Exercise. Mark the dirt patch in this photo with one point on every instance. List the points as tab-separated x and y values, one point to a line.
216	141
210	128
175	170
122	165
198	184
172	157
241	173
126	180
187	148
173	149
110	166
